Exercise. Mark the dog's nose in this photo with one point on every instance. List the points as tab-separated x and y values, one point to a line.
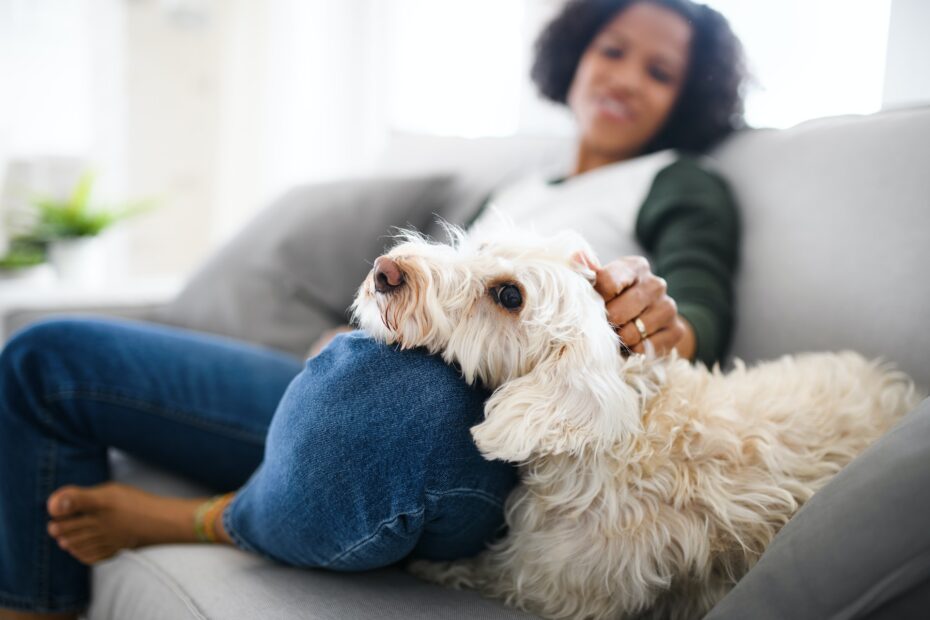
388	276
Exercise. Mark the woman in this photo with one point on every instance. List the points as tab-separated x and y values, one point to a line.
367	457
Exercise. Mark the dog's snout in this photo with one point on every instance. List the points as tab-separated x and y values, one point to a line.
388	276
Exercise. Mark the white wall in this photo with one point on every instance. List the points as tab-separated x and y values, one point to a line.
216	106
232	102
907	74
61	101
172	94
810	58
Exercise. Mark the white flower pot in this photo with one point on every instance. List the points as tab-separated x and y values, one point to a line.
37	275
81	261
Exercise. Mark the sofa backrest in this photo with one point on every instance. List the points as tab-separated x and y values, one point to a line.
836	234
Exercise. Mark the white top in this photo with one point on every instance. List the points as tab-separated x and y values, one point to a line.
601	204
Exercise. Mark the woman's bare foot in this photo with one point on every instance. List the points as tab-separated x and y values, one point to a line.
93	523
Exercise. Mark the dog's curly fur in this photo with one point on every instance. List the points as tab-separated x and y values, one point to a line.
648	486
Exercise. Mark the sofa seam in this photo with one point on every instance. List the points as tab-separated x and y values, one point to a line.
865	602
167	580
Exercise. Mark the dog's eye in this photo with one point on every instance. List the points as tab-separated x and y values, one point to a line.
508	296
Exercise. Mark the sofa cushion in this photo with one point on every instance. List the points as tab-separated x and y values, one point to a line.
293	271
173	582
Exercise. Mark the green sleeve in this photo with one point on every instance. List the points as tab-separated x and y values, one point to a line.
689	226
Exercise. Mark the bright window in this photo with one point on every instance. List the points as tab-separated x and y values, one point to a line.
461	68
455	67
811	58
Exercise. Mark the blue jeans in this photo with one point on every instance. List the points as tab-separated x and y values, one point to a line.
353	461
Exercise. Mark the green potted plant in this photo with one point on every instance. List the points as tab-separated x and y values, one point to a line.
22	256
69	228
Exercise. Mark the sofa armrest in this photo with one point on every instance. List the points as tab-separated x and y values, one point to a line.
23	304
14	319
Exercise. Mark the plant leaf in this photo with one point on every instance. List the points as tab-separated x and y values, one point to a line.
75	217
80	198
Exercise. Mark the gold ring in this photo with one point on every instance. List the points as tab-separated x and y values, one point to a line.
641	327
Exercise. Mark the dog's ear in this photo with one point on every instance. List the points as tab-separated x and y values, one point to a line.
582	258
571	401
585	263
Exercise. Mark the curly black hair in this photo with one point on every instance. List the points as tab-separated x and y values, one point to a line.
710	105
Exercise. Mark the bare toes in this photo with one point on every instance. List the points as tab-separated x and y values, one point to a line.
63	527
95	553
72	500
82	540
118	516
87	549
59	503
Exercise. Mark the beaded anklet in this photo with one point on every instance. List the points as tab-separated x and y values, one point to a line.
205	517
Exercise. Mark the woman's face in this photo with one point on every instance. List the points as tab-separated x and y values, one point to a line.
627	82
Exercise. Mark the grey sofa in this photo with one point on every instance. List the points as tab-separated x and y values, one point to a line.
836	222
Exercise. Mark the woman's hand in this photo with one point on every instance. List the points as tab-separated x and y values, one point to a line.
325	338
637	301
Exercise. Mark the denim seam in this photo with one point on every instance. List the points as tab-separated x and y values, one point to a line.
228	516
173	414
45	481
44	487
227	519
467	492
372	536
167	580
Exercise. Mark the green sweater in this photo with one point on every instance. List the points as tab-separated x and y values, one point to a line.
689	226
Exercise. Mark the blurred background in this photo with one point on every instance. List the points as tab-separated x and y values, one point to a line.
197	113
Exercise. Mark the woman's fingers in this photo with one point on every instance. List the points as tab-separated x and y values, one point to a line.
617	276
631	291
663	341
655	318
633	301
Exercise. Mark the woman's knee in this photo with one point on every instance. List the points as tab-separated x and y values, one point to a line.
24	356
363	414
25	344
359	396
50	350
355	446
48	340
25	363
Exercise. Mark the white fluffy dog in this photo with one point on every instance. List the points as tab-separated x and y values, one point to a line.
649	486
